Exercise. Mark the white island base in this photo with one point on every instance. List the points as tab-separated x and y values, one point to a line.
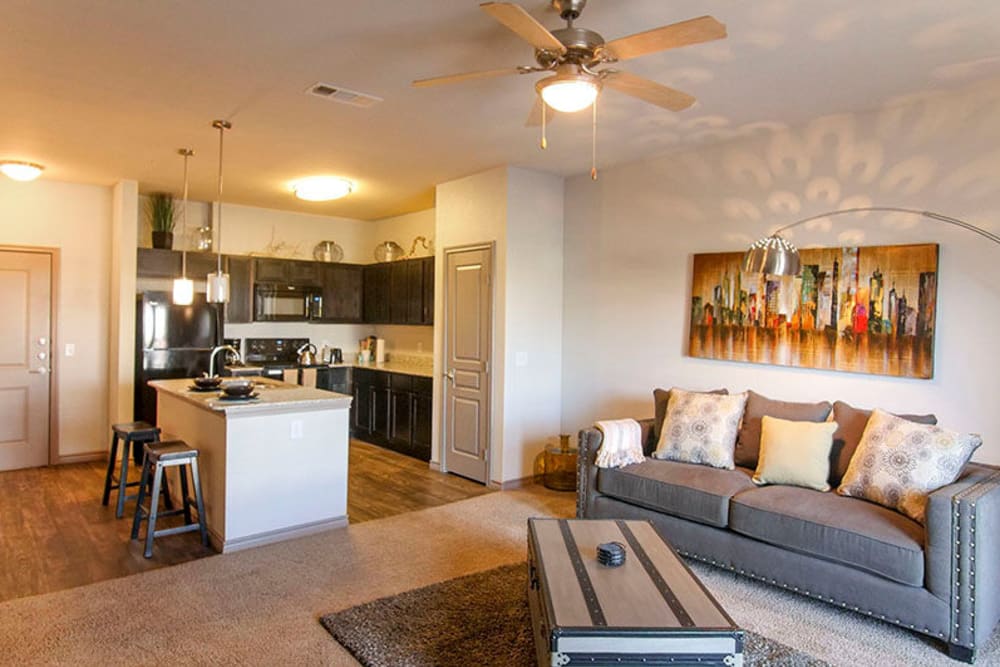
271	469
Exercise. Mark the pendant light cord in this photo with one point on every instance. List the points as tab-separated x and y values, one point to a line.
222	126
186	152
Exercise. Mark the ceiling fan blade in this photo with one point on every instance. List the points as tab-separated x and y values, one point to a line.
515	18
649	91
456	78
694	31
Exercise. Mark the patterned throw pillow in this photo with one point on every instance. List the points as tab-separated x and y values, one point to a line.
898	463
701	428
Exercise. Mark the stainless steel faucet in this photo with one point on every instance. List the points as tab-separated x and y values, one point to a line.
215	351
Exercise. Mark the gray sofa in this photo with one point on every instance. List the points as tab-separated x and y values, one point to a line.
942	580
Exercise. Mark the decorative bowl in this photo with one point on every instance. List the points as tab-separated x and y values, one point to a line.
238	388
205	382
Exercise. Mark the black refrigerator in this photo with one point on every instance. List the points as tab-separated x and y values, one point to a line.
171	342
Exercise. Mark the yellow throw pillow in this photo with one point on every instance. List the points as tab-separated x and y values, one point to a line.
795	453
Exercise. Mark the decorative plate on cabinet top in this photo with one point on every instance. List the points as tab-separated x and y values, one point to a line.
328	251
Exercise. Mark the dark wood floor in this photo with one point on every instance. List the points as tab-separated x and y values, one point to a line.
55	534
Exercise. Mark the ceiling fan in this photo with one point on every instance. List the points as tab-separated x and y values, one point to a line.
573	55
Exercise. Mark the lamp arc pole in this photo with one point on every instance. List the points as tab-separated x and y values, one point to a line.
773	255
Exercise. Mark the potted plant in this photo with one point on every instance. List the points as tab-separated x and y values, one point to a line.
162	213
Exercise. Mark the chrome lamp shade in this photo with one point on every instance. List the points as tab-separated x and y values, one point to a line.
773	256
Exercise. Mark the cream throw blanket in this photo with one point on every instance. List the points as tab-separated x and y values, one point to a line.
622	443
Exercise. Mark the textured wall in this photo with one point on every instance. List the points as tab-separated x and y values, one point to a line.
630	238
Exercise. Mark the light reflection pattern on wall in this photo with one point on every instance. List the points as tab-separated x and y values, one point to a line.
857	309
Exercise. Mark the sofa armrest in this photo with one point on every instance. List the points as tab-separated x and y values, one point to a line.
589	441
963	555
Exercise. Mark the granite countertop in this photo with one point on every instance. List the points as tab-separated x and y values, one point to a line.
406	367
273	396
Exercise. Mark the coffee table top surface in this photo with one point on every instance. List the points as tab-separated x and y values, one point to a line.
653	589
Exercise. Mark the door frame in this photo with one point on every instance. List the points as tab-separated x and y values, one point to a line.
490	247
54	263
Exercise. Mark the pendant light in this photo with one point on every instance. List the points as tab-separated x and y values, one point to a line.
184	286
218	282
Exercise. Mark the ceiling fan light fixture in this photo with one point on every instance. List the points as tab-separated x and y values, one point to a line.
21	171
570	90
322	188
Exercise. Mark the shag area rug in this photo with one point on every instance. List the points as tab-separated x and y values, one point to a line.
479	619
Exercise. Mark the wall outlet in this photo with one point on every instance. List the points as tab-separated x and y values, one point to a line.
296	430
70	349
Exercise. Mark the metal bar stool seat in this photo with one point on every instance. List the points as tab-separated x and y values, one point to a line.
132	435
158	457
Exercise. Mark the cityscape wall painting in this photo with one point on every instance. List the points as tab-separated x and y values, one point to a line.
863	310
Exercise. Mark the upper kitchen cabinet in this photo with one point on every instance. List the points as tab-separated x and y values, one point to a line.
239	310
400	292
427	304
287	271
157	263
341	285
376	293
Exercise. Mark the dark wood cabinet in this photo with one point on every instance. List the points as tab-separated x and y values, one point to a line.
399	292
376	293
427	298
292	271
154	263
239	310
342	292
393	410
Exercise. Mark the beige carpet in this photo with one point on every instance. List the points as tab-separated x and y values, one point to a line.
262	606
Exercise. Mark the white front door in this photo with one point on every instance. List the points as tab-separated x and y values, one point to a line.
468	330
25	350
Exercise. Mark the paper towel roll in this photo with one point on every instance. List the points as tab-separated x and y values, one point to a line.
379	350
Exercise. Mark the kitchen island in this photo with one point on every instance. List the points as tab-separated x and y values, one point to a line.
272	468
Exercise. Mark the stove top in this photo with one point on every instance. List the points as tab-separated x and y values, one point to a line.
274	352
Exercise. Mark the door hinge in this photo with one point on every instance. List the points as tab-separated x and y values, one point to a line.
486	367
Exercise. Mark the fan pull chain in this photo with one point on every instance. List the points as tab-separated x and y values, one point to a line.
545	143
593	147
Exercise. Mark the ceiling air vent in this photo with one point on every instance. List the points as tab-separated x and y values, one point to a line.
343	95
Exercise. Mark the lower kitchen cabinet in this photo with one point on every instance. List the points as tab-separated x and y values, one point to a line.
393	410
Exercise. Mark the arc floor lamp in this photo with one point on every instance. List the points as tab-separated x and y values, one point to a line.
774	255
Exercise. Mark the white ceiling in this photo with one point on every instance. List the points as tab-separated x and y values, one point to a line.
108	89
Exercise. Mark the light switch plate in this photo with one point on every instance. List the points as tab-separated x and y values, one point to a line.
521	359
70	349
296	430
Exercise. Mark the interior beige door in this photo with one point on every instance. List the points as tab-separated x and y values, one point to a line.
25	342
468	331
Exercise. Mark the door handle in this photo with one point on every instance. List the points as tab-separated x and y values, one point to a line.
450	375
39	371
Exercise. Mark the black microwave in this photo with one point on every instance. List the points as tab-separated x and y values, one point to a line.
274	302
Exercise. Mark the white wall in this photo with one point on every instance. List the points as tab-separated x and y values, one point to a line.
629	240
76	219
473	210
122	273
532	331
521	212
403	229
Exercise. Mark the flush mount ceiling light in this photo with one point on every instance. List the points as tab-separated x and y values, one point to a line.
322	188
571	89
21	171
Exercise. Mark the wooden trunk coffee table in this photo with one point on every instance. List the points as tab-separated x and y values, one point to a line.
650	611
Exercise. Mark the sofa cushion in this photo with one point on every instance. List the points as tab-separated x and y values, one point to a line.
851	424
700	428
844	530
795	453
748	441
899	463
661	398
695	492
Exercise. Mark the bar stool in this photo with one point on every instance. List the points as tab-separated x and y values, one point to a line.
133	435
158	457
